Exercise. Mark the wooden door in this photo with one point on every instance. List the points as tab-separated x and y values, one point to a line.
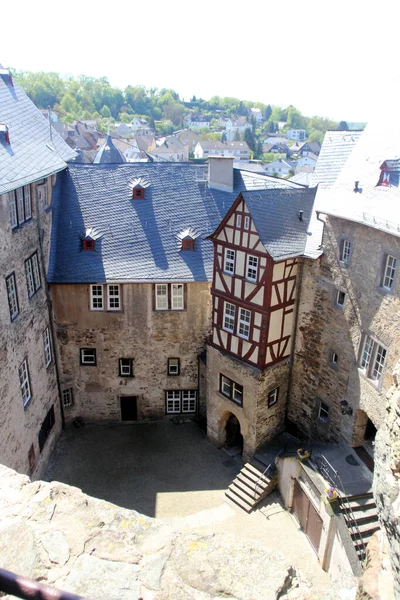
307	515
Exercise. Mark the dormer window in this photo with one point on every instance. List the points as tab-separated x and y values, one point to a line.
138	193
4	134
188	244
87	244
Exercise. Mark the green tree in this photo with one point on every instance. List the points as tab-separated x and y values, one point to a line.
342	126
268	112
236	137
105	112
249	138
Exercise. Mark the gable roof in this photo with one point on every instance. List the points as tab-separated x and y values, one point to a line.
336	149
139	237
217	145
32	153
275	214
108	153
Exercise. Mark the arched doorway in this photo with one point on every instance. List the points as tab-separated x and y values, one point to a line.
234	438
364	438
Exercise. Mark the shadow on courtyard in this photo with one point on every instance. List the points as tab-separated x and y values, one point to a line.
159	469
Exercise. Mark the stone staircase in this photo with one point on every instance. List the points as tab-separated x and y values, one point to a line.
365	514
250	487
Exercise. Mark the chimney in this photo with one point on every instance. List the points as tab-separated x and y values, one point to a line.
4	135
220	173
356	188
6	76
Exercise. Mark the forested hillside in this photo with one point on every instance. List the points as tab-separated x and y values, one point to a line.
90	98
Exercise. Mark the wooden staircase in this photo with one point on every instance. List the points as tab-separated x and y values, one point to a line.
361	520
250	487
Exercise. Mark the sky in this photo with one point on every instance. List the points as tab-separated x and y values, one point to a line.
329	58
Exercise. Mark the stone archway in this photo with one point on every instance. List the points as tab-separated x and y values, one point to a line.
233	435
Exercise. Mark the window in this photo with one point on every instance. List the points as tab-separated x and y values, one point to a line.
244	323
46	428
273	397
252	268
113	295
372	359
138	193
188	244
170	296
12	296
229	316
345	251
340	298
24	382
323	412
247	222
67	398
389	272
96	297
238	221
88	244
20	206
334	358
114	300
229	264
88	356
231	389
32	274
47	347
180	401
173	366
125	367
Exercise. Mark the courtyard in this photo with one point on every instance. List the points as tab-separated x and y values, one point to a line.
171	472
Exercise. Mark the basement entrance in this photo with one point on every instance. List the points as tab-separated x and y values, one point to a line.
307	516
128	408
233	436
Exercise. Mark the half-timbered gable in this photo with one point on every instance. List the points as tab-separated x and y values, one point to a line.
256	250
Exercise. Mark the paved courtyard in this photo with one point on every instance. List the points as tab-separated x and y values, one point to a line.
173	473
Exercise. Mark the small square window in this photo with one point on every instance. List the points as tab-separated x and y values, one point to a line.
173	366
67	398
113	296
188	244
229	265
138	193
88	356
88	244
273	397
231	389
96	297
125	367
334	358
340	298
323	412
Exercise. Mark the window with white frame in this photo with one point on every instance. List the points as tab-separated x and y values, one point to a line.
244	323
173	366
88	356
345	251
67	398
12	296
27	202
180	401
96	297
47	347
247	222
389	272
231	389
20	206
323	412
125	367
113	297
229	262
238	221
24	382
229	316
372	358
252	268
340	298
273	397
32	274
169	296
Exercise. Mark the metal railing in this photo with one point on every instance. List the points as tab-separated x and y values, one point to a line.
333	477
28	589
263	474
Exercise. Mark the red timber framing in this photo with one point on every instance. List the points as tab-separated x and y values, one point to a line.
270	299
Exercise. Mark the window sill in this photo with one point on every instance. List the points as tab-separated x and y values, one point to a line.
27	403
47	208
230	399
376	385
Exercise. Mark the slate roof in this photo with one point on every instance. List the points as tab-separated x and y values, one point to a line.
216	145
336	149
139	239
108	153
31	154
275	214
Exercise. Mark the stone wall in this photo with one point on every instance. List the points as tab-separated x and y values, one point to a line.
258	423
139	332
22	339
325	328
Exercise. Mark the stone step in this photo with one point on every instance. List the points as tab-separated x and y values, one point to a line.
366	516
249	490
358	505
253	473
242	494
258	462
366	530
238	501
252	485
360	498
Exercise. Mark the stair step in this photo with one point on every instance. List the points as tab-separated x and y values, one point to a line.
242	494
366	530
258	462
238	501
360	503
365	516
250	491
254	473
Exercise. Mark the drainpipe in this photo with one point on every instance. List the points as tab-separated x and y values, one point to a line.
49	307
296	318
